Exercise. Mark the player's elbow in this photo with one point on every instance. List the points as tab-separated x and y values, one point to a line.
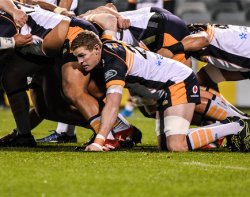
203	39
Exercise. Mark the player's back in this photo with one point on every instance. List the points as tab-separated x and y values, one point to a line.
228	47
145	67
233	39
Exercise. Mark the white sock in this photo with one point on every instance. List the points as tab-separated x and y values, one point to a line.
202	136
65	128
122	124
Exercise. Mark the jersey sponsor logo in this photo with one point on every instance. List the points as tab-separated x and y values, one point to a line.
159	60
109	74
195	89
243	36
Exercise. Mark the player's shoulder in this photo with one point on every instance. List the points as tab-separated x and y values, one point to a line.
112	46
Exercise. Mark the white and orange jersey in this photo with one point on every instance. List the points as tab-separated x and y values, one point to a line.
139	20
40	22
229	47
127	64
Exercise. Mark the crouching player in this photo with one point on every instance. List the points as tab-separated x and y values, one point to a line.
176	83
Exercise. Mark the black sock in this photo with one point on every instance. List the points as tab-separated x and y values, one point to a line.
35	119
19	103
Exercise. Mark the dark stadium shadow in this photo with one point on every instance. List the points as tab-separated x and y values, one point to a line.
79	148
222	149
154	149
73	148
42	148
143	148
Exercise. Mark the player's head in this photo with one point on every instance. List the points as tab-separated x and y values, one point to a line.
87	48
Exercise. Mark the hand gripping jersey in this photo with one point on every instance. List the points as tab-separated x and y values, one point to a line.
40	22
123	63
229	47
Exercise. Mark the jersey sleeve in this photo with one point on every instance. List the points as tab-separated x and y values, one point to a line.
67	54
115	67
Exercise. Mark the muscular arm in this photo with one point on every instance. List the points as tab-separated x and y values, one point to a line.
7	5
50	7
43	4
65	4
19	16
110	113
195	42
122	22
101	19
17	40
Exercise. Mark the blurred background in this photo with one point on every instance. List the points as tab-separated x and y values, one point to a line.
236	12
216	11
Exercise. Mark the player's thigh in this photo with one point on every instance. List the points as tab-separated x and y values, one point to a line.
72	80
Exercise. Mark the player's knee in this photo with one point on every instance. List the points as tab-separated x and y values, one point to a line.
175	129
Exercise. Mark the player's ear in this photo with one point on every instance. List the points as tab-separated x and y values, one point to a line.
97	48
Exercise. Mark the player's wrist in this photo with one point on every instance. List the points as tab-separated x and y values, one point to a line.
59	10
100	139
7	43
176	48
97	146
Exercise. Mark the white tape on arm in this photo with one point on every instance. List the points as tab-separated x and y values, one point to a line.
97	146
115	89
7	43
99	136
59	10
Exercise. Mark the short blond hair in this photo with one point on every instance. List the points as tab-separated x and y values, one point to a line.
86	39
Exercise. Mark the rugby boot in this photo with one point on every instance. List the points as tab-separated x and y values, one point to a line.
16	140
58	138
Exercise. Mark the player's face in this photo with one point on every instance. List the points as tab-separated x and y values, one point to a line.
88	59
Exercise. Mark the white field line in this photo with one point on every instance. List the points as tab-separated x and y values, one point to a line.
194	163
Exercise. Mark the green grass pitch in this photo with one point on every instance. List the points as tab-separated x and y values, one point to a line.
58	170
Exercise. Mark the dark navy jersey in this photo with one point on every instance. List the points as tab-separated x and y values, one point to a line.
7	26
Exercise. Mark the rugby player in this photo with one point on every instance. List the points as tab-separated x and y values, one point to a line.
51	46
15	66
224	62
174	82
165	41
64	132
